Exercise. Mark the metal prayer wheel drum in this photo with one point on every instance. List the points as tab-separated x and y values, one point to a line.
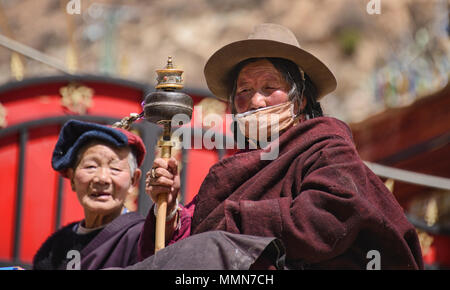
166	102
163	105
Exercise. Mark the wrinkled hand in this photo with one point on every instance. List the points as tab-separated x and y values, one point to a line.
166	180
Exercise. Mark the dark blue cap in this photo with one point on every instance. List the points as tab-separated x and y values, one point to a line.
75	134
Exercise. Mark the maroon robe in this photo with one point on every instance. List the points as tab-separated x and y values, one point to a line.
317	197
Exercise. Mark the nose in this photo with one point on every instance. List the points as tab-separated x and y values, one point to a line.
102	176
257	101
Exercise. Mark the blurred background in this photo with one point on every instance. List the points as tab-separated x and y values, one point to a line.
380	60
391	60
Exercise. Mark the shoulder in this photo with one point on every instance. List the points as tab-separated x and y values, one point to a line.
56	241
130	220
326	126
127	223
320	142
131	217
310	137
63	233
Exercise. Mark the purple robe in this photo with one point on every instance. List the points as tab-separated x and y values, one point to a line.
113	246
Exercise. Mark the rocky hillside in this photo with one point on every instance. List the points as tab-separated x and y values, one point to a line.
372	55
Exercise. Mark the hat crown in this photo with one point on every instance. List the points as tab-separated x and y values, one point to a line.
266	40
274	32
75	134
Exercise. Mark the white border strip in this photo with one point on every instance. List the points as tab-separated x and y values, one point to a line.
32	53
409	176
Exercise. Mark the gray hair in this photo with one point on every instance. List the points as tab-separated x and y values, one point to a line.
132	162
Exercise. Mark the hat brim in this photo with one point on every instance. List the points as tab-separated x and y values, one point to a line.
219	66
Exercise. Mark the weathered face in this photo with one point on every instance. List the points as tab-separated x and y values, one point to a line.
102	179
259	84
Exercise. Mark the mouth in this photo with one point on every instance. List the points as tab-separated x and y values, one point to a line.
100	195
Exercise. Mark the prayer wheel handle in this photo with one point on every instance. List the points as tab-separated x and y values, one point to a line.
166	151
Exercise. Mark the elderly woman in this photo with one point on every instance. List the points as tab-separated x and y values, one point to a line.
102	165
317	196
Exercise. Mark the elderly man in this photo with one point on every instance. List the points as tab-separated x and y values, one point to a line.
102	164
317	196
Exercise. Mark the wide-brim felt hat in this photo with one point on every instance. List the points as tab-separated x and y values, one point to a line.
267	40
75	134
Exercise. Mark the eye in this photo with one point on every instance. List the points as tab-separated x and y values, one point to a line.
89	166
243	91
271	87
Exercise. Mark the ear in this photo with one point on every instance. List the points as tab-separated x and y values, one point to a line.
302	106
70	174
136	178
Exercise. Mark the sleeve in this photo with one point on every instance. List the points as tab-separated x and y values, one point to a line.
322	220
146	244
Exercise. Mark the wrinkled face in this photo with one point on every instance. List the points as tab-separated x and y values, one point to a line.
102	178
260	84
